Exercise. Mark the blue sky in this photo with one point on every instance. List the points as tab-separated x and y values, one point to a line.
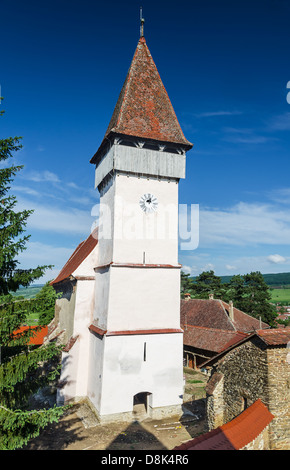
225	66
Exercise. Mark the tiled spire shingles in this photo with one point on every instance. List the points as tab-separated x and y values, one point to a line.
144	109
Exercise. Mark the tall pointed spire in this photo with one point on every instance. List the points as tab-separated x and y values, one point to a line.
144	109
142	21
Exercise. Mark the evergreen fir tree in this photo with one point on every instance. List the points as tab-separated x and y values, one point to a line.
257	300
208	283
24	368
185	283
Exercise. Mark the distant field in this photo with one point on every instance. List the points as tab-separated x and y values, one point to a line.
27	292
280	295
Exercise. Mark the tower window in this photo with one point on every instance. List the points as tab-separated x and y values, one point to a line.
144	353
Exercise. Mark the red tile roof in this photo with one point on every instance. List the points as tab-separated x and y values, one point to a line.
215	314
275	336
207	325
144	109
79	255
235	434
242	321
205	313
271	337
38	337
210	339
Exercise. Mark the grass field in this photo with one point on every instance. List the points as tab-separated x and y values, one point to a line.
280	295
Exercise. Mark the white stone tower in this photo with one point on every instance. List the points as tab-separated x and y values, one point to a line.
136	344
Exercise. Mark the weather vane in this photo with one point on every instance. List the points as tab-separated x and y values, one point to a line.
142	21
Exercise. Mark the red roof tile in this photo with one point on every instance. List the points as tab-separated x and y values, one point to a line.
235	434
205	313
242	321
144	109
38	337
207	324
215	314
210	339
79	255
275	336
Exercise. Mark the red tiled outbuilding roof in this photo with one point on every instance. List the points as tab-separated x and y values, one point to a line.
210	339
236	434
38	336
205	313
79	255
275	336
271	337
143	108
207	324
214	313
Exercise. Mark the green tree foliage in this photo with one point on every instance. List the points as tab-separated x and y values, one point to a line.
256	301
208	283
203	285
12	226
185	283
44	304
236	290
24	368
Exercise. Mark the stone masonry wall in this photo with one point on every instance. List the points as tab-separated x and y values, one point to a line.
215	401
279	397
243	375
245	379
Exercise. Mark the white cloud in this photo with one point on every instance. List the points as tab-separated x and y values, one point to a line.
54	219
42	253
39	254
244	136
245	224
280	122
276	259
218	113
186	269
26	190
229	267
254	139
41	176
281	195
208	267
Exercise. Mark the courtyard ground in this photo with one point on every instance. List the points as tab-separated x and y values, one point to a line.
79	430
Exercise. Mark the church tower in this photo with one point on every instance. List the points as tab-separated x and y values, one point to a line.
136	343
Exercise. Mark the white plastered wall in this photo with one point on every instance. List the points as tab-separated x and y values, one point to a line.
83	319
75	362
126	233
136	232
143	298
125	373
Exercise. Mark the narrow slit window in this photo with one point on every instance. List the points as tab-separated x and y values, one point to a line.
144	352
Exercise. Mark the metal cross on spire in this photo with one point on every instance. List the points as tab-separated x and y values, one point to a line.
142	21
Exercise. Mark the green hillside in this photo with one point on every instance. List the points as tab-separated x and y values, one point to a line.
273	280
28	292
277	280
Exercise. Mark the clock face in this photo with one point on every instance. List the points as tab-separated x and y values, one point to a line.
148	203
